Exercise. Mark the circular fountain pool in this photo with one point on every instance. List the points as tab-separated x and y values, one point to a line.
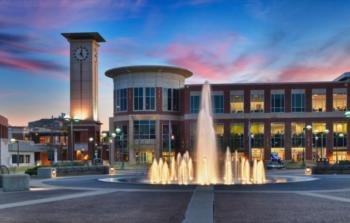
270	179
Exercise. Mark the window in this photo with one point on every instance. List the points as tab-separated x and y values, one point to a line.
257	135
122	99
171	99
339	99
194	103
138	99
298	101
144	99
219	132
319	140
150	98
340	133
236	101
22	158
237	136
121	143
145	129
257	101
298	134
277	101
173	136
218	104
318	100
277	135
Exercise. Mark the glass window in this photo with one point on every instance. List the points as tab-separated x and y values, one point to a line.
298	101
121	143
318	100
277	102
145	129
122	99
218	104
277	135
219	131
194	103
237	102
138	99
257	135
171	99
237	136
339	99
257	101
319	140
298	134
340	134
144	99
150	98
172	135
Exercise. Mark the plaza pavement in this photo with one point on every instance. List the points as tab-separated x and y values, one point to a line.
85	199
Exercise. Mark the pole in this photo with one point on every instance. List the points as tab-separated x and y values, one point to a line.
121	139
71	139
249	141
169	138
17	153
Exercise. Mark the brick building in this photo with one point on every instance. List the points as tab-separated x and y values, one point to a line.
302	120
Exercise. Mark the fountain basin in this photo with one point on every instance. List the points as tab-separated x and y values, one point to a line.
143	179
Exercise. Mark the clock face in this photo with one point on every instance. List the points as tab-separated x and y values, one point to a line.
81	53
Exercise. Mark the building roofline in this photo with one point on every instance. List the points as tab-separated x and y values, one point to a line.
4	121
84	35
147	68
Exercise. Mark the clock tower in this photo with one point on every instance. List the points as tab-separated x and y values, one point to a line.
84	93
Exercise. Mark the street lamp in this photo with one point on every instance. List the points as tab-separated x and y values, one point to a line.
71	121
120	133
110	138
306	128
13	140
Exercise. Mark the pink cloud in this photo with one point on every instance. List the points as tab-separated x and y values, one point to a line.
34	67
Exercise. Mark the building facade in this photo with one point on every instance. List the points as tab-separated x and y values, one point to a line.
157	113
4	154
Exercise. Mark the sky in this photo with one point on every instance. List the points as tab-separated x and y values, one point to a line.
220	41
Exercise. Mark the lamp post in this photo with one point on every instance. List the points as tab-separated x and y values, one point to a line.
91	140
17	142
120	133
110	137
325	133
306	128
71	121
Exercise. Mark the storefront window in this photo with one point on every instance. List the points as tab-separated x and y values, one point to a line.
219	131
144	129
319	140
257	135
298	134
339	135
257	101
339	99
318	100
236	101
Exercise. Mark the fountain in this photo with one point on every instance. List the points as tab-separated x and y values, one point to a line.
236	171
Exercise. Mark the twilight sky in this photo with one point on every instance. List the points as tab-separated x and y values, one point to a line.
220	41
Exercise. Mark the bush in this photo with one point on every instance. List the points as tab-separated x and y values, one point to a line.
33	171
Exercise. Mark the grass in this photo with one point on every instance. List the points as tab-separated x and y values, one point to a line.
19	170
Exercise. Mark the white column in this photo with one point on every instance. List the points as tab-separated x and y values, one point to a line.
55	156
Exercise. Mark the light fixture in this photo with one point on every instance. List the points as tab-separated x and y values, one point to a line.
118	130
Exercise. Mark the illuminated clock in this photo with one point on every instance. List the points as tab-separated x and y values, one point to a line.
81	53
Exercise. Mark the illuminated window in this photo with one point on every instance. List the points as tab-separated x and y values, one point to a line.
298	100
236	101
318	100
257	135
237	136
257	101
339	135
339	99
219	131
298	134
319	140
277	101
277	135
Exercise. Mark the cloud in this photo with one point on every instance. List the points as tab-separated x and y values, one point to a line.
34	67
